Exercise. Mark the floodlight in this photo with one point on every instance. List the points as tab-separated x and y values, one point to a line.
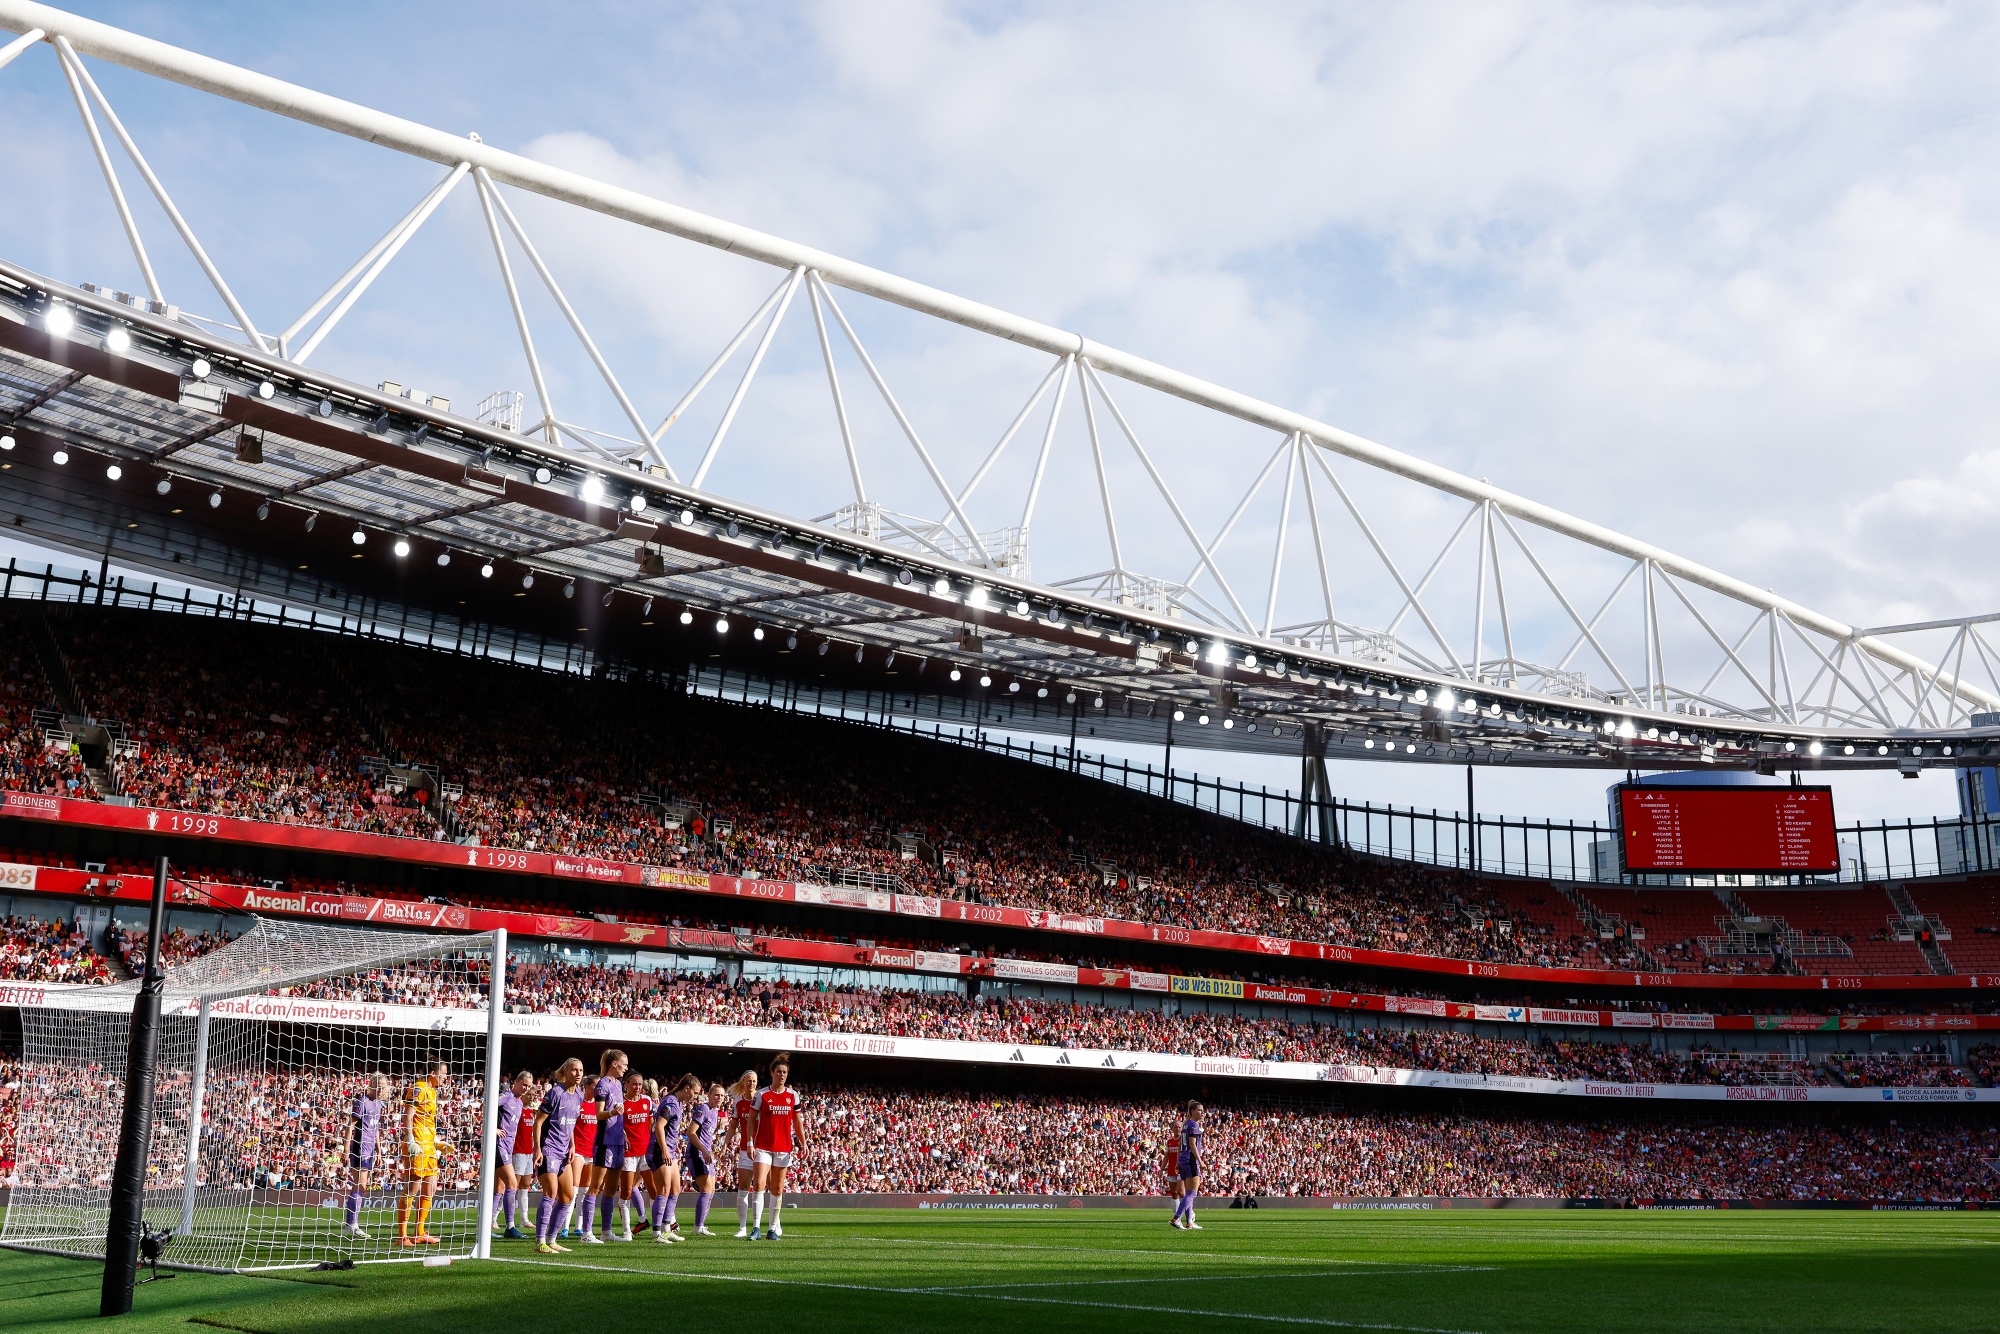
266	390
687	618
905	578
543	476
312	520
607	596
444	559
1791	746
164	485
119	341
359	536
1250	661
215	500
113	472
6	442
1021	607
646	607
954	674
592	490
1202	719
1370	743
1218	652
486	569
1945	750
1815	748
722	625
822	648
569	588
1013	687
861	654
264	509
1849	750
1881	750
687	517
1179	716
791	641
638	504
1194	646
985	680
757	632
1228	724
1070	698
402	547
59	321
1445	700
942	588
60	457
200	369
1041	692
528	580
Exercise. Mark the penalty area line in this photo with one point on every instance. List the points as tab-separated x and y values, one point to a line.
1321	1321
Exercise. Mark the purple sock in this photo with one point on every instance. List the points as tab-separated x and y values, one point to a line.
701	1203
543	1212
507	1207
563	1212
589	1214
659	1213
605	1205
1188	1200
673	1206
353	1205
1180	1207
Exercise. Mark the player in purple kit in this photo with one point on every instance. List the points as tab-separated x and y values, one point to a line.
555	1129
364	1132
702	1119
1190	1169
506	1184
609	1151
668	1149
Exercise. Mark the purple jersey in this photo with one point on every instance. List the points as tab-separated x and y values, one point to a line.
561	1107
510	1120
610	1096
367	1113
667	1116
701	1126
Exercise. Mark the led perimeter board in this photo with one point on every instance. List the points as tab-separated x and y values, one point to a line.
1770	829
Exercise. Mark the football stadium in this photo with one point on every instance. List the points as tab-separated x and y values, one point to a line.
895	814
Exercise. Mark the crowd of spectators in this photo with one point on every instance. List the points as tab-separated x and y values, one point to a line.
286	1130
1923	1066
37	951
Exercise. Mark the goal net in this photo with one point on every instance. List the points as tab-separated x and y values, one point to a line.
298	1115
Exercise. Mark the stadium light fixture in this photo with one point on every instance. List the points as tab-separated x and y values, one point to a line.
1180	716
266	390
164	485
59	322
60	457
263	509
1369	743
687	618
402	547
905	577
1791	746
985	680
1815	749
1218	652
955	674
528	580
119	341
823	646
1041	692
646	607
200	368
608	594
543	477
1945	750
312	519
722	625
687	518
1069	697
1228	724
569	588
592	490
444	559
6	442
1021	607
1193	647
486	569
112	472
1097	703
1445	700
791	641
1250	662
1013	687
215	500
1203	720
358	537
861	655
1847	750
757	632
638	504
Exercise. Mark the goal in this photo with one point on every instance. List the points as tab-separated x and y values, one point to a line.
257	1159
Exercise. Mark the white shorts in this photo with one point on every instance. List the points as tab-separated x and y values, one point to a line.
743	1162
524	1164
631	1162
770	1159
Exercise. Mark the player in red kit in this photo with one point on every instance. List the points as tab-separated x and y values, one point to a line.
741	1099
779	1136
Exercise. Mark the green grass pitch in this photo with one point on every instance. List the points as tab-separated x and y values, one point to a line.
880	1271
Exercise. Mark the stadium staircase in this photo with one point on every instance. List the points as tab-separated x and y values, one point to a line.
380	767
1927	932
1599	924
99	743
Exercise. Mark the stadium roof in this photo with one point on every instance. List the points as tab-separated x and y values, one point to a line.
236	460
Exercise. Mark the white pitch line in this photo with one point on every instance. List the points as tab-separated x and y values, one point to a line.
996	1297
1210	1278
1099	1250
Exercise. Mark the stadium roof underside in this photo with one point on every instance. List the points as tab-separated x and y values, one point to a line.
238	465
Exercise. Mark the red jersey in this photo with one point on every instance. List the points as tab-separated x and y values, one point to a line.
744	1108
638	1122
1170	1160
777	1113
524	1134
586	1127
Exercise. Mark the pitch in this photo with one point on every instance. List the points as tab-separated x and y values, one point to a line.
882	1271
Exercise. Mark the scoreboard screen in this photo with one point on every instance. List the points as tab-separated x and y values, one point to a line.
1774	829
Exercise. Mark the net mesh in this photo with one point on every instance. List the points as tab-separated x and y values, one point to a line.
292	1103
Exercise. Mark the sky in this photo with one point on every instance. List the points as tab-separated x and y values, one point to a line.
1722	278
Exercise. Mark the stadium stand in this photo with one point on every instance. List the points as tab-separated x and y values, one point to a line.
1971	912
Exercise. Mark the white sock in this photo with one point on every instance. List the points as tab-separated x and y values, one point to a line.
625	1217
777	1207
760	1208
743	1210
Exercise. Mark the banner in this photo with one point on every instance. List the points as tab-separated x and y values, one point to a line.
15	876
1703	1021
1206	986
1633	1019
1584	1018
1034	970
1413	1005
1501	1014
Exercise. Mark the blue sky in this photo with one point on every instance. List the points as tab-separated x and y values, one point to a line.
1720	276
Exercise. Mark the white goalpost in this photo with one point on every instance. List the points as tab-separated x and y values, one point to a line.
297	1116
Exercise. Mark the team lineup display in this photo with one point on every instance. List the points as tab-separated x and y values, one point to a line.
1725	829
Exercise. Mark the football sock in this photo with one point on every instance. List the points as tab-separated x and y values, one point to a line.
544	1213
402	1215
701	1203
759	1216
604	1204
589	1214
507	1208
423	1212
777	1207
563	1211
742	1210
353	1206
520	1209
673	1207
1180	1206
624	1217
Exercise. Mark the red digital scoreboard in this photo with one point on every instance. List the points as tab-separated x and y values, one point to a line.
1770	829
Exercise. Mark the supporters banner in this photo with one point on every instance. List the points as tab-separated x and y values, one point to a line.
1630	1019
1436	1009
1259	991
1501	1014
1582	1018
916	905
842	896
1206	986
1033	970
1797	1023
15	876
1062	921
1703	1021
1148	981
